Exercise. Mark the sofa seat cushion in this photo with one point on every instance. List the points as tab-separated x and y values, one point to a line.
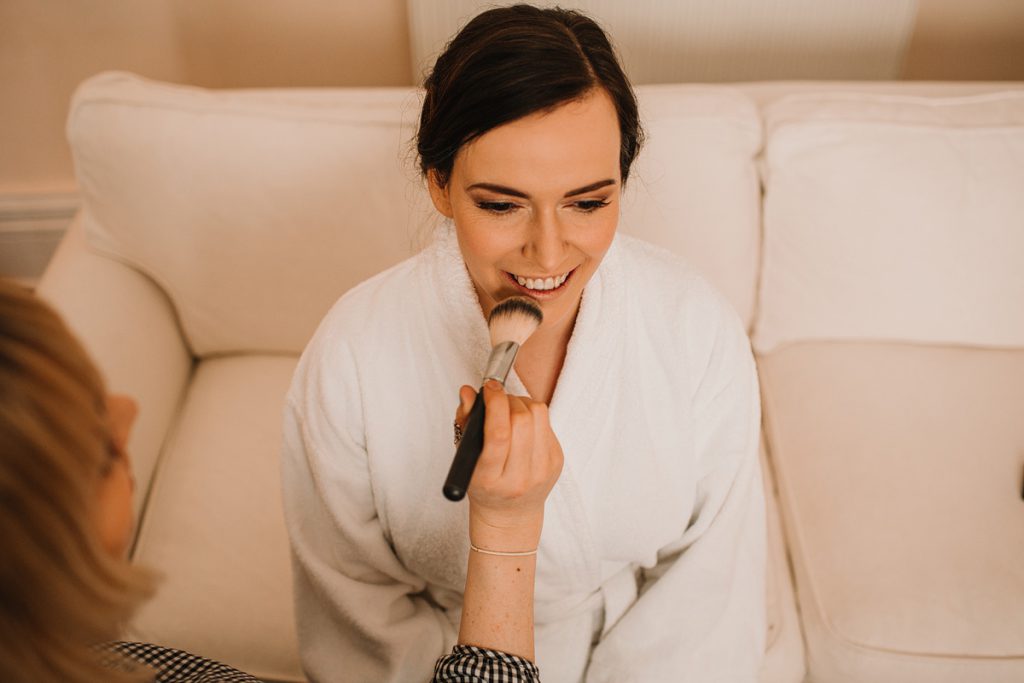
899	470
213	523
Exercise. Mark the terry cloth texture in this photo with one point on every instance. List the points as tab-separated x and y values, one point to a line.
652	559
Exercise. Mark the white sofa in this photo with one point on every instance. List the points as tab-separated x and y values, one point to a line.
870	234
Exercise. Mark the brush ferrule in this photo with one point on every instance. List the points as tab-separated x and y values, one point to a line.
500	362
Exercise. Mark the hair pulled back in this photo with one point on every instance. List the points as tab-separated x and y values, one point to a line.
511	62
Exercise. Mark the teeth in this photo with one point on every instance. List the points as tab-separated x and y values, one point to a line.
541	284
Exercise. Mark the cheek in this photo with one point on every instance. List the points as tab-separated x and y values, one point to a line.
595	238
483	244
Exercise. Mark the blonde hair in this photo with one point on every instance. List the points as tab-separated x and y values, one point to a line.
60	589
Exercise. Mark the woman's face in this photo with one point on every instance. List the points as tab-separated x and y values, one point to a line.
114	517
535	205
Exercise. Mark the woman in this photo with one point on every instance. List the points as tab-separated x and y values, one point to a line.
66	492
66	515
651	559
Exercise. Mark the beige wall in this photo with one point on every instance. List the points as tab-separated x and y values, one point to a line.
968	40
48	46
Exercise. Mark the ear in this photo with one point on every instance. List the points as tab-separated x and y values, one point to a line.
439	195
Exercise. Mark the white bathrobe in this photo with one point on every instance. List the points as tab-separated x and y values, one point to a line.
651	562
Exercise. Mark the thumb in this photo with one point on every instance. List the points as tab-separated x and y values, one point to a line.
467	395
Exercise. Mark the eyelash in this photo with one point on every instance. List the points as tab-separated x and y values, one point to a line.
505	208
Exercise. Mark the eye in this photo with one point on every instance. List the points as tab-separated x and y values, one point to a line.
497	207
591	205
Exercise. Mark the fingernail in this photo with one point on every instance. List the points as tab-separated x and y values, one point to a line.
493	385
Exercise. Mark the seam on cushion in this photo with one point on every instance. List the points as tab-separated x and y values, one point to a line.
153	491
787	560
233	110
759	162
882	98
131	88
922	103
837	638
974	128
789	343
784	511
830	106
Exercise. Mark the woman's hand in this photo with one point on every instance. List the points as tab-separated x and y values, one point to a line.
519	464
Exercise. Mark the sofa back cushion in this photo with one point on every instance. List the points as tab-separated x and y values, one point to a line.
256	209
893	218
695	188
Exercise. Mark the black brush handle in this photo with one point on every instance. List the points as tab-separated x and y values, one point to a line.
468	452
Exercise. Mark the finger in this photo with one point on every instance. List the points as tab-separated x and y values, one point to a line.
467	395
497	433
516	472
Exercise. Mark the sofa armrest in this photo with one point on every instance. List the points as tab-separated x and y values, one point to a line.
129	327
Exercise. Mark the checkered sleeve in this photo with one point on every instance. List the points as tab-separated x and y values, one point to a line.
469	664
171	666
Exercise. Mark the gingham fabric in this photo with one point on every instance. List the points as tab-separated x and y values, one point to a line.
468	664
171	666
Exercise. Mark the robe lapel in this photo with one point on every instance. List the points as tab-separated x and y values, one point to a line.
569	564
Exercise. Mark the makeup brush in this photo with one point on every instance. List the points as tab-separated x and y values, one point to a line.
510	323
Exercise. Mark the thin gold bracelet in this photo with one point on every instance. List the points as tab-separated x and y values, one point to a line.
501	553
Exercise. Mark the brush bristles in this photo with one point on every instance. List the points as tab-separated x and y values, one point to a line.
514	319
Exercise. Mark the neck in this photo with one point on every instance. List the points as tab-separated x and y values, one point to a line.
540	360
554	337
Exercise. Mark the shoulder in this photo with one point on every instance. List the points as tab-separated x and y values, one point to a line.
373	314
170	665
373	302
665	284
685	314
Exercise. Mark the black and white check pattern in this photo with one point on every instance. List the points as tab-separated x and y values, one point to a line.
172	666
468	664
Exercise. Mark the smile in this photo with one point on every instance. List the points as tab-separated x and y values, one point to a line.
540	284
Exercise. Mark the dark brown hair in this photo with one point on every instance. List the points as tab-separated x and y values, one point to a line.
514	61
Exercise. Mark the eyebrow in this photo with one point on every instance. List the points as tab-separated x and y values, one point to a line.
501	189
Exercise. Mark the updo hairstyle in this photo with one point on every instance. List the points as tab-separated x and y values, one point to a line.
511	62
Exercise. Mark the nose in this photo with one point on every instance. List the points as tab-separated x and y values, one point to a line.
545	245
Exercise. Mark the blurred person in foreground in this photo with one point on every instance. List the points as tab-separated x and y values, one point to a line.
66	489
66	520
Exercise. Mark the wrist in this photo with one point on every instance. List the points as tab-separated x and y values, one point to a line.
503	534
